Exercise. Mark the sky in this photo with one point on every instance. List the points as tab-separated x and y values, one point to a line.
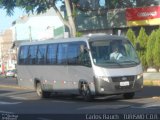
6	21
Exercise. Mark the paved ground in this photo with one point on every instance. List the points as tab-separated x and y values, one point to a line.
24	102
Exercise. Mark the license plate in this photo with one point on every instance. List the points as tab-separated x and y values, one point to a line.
126	83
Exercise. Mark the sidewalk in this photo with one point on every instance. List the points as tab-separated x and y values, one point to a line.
151	78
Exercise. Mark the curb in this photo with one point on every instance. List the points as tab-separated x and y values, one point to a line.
151	82
13	86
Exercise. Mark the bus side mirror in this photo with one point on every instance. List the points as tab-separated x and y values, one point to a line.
138	46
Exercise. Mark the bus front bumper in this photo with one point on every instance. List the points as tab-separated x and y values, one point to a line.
113	87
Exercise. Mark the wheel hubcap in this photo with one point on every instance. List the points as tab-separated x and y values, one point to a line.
85	90
39	91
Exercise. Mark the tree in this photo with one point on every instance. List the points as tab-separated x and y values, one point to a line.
131	36
156	50
142	40
40	6
114	4
150	48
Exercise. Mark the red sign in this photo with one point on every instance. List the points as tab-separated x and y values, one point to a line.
134	14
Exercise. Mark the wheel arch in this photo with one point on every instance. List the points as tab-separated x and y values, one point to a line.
36	80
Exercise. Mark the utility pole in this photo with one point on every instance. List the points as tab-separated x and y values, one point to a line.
16	47
30	34
15	34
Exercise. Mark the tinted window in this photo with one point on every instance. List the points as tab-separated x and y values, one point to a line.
84	58
32	55
62	54
23	56
51	54
41	55
73	53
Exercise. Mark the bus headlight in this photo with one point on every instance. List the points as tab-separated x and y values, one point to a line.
139	76
104	78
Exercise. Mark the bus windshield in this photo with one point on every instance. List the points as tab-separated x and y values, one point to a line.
113	53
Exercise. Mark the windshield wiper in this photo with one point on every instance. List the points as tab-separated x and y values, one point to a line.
114	61
131	61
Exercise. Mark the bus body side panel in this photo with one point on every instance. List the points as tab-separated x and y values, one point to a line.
81	73
24	76
52	78
57	78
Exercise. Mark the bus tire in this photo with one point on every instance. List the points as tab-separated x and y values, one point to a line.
128	95
85	92
41	93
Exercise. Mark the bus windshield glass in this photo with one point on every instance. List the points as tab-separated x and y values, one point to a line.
113	53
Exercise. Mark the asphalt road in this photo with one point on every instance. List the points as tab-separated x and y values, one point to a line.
20	101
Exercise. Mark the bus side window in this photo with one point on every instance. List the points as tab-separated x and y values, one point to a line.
32	55
62	54
41	54
51	54
23	55
72	54
84	58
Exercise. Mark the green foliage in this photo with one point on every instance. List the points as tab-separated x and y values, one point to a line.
79	34
38	6
150	47
9	5
142	40
156	50
131	36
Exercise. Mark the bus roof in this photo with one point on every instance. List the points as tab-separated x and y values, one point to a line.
92	37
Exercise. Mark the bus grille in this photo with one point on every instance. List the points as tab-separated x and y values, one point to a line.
118	87
123	78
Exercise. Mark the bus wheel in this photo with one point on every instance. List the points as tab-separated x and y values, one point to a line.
128	95
40	92
85	92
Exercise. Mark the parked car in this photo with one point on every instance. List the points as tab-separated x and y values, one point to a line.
11	73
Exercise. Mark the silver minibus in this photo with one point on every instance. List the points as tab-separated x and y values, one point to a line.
89	66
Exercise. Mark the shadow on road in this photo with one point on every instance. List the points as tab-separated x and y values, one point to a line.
5	91
69	104
149	92
146	92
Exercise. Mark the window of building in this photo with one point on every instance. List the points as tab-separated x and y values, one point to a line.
32	55
23	56
51	54
62	54
41	54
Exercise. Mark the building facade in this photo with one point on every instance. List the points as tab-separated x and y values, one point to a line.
27	28
116	16
37	27
8	56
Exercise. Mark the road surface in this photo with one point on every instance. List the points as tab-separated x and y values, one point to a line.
17	101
